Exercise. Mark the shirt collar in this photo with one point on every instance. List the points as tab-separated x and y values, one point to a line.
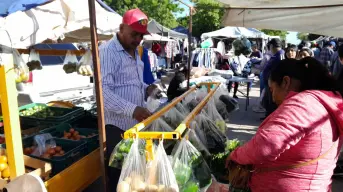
117	43
119	46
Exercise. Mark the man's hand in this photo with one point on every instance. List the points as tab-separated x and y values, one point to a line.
141	114
150	89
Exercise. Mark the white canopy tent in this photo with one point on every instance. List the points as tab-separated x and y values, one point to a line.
67	20
155	27
156	37
313	16
234	32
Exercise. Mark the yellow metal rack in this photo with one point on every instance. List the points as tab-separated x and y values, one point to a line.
134	132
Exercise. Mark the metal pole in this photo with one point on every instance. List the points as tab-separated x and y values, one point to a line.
98	88
189	46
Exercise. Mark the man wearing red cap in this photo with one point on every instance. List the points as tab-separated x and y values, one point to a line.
124	91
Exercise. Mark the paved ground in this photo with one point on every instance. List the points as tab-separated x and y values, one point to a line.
243	125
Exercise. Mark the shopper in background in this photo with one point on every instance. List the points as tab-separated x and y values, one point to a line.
316	50
278	55
326	54
291	51
296	147
175	89
123	88
305	52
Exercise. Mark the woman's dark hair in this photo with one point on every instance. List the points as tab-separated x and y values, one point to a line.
309	51
309	71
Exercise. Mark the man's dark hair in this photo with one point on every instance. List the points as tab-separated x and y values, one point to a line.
340	51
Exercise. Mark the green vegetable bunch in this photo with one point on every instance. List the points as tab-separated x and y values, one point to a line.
120	152
231	145
42	112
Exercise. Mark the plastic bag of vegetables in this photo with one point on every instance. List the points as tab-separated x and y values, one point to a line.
132	176
70	63
20	68
34	61
160	175
215	139
191	170
197	143
182	109
85	65
173	117
214	115
42	143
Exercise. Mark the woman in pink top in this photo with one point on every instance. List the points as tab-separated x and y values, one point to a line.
307	124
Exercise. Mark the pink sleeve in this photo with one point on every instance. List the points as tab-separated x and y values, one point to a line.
281	130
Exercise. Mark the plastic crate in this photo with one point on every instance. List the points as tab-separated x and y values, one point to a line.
58	114
58	132
74	150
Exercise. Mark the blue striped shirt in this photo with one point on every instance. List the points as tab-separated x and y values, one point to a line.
122	84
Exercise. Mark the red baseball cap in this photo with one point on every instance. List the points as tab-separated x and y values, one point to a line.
137	20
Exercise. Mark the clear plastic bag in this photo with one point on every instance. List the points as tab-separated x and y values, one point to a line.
182	109
43	142
70	63
215	139
132	176
197	142
85	65
20	68
160	175
214	115
173	117
191	170
34	61
119	153
230	103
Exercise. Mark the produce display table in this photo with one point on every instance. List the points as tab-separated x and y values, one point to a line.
78	176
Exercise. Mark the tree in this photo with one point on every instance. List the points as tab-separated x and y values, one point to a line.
183	21
271	32
160	10
303	36
206	19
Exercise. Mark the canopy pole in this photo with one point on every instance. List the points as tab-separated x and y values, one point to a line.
98	88
189	45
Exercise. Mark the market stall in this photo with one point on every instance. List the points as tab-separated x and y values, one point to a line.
78	153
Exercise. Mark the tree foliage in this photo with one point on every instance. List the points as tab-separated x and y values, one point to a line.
302	36
271	32
207	17
160	10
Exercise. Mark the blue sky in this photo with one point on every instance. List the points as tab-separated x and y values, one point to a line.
291	37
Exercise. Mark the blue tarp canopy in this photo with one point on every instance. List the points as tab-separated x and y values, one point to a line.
181	29
10	6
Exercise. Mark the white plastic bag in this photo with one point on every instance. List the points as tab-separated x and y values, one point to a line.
190	168
43	142
153	101
85	65
133	171
197	142
182	109
152	104
214	115
20	68
34	61
70	63
160	175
